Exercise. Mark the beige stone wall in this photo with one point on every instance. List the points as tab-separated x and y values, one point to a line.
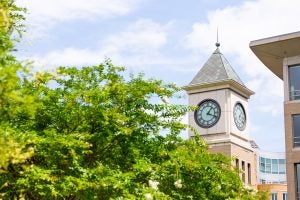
245	156
274	188
234	98
226	99
223	149
241	156
292	154
220	97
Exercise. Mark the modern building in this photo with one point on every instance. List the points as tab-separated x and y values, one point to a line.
222	121
271	174
281	54
271	167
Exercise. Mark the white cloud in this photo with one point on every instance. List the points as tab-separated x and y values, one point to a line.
44	14
143	36
135	45
238	25
68	56
65	10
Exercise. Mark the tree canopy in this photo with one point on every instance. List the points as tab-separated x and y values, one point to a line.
93	133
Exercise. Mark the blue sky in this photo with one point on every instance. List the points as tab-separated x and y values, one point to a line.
169	40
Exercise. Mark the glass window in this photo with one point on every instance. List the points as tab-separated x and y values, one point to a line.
296	129
274	166
243	171
294	74
281	166
274	196
268	165
249	173
298	180
262	164
237	163
284	196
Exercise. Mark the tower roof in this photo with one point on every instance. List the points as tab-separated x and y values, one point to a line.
216	69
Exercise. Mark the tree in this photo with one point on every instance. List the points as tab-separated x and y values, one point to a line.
13	99
97	135
15	143
93	133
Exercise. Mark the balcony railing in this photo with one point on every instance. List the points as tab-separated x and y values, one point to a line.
295	95
296	141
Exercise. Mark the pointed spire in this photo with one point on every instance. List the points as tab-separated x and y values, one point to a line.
217	43
216	69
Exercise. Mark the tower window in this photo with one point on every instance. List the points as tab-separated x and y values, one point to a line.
237	163
249	173
243	171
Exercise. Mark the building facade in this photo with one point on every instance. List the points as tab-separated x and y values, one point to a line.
281	54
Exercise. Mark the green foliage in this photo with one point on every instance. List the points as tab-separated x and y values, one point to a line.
90	133
16	145
10	29
262	195
97	135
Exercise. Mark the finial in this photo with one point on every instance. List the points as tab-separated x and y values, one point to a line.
217	43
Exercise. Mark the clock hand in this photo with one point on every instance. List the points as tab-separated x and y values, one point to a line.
208	113
212	115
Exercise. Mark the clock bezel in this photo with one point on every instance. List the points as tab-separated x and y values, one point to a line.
196	111
234	119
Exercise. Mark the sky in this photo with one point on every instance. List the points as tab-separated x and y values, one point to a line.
169	40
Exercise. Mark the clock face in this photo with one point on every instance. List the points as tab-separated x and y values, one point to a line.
208	113
239	116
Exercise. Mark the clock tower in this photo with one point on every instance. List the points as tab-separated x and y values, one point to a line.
221	117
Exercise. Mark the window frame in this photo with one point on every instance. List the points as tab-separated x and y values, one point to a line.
275	166
243	172
284	196
274	196
289	82
293	131
249	173
268	165
297	179
281	162
262	164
